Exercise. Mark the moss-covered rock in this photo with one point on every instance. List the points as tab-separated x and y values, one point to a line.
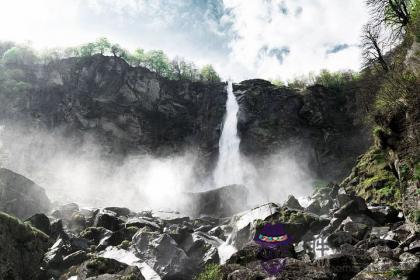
375	179
22	248
210	272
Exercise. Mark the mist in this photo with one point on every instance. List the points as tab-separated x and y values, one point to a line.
82	171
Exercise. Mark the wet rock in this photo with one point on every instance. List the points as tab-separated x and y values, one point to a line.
22	249
380	269
57	230
106	269
344	266
414	246
179	232
20	196
337	239
202	248
41	222
380	252
221	202
120	211
141	222
252	252
356	205
77	222
357	230
96	235
293	203
65	212
384	214
162	253
108	220
374	241
297	223
296	269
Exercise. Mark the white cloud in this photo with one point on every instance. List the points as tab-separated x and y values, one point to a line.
228	33
308	29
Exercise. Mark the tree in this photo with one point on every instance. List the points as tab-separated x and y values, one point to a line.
102	45
88	49
374	46
19	55
394	14
117	51
157	61
208	73
137	58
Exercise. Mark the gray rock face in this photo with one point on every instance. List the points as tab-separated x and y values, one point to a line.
162	253
128	109
320	119
221	202
20	196
22	249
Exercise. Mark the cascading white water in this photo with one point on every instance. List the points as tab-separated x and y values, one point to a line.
229	169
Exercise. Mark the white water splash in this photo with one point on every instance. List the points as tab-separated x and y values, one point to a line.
229	169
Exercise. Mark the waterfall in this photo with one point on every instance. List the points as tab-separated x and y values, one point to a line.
229	169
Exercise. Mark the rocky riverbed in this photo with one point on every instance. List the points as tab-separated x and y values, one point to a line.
336	236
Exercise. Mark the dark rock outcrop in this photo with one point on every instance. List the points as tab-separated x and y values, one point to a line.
22	248
221	202
128	109
319	120
20	196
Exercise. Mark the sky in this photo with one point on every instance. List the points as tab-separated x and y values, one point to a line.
243	39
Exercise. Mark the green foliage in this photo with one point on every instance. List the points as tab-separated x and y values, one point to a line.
19	55
415	19
336	80
277	82
394	90
102	45
208	74
211	272
155	60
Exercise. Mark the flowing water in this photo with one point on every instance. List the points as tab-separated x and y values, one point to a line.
228	170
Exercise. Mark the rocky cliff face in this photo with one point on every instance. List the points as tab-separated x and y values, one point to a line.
319	120
128	109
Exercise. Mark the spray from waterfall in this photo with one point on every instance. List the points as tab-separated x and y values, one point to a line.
229	169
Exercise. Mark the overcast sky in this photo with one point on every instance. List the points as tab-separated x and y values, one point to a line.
241	38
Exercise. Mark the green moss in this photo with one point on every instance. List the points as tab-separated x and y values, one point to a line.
125	244
417	171
22	231
210	272
376	182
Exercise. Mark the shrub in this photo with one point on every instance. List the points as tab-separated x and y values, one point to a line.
210	272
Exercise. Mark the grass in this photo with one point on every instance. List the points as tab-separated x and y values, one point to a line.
210	272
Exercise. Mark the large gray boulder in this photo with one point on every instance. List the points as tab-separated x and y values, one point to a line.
20	196
221	202
22	248
162	254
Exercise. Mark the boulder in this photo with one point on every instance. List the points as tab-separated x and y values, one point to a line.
22	249
221	202
120	211
292	202
99	268
344	266
109	220
163	255
20	196
384	214
356	205
339	238
41	222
